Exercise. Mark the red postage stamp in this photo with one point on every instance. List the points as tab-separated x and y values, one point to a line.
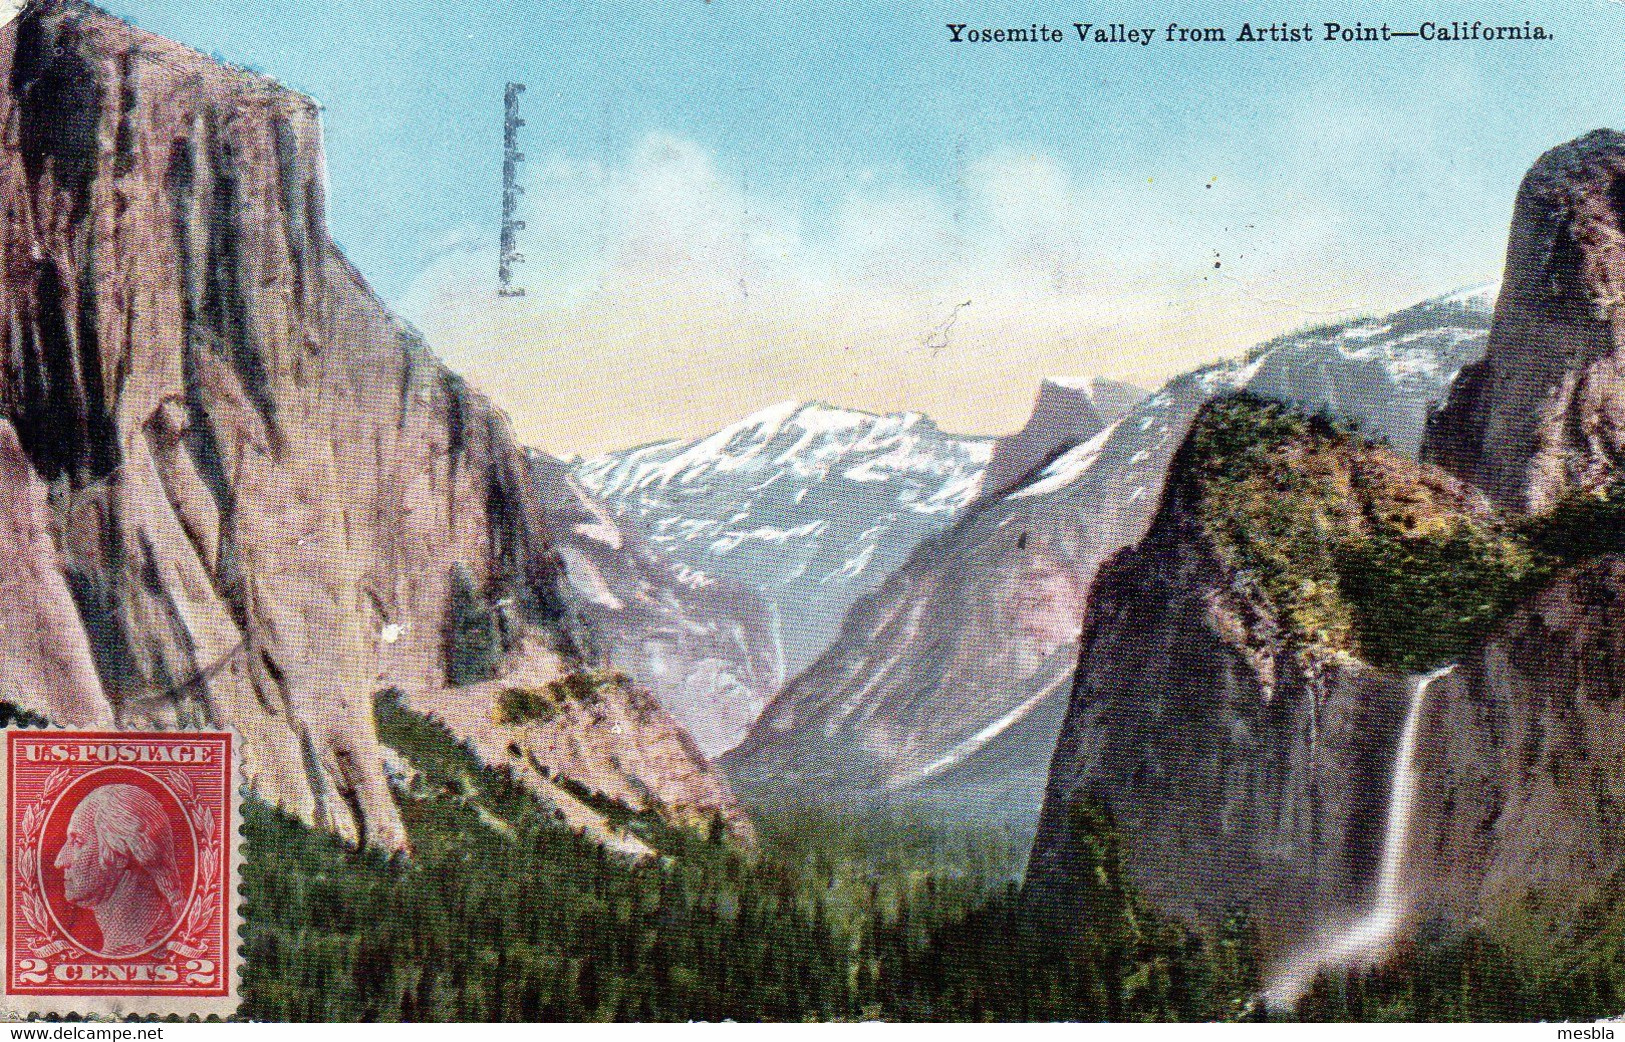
121	872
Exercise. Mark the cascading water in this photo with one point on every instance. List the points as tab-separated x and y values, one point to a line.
1367	938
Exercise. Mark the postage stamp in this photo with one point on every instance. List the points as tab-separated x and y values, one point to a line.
121	862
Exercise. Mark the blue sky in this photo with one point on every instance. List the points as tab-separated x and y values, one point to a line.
847	161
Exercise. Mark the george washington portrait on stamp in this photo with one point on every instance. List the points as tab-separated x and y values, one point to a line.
121	872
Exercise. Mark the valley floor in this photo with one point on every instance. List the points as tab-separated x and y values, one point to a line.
501	913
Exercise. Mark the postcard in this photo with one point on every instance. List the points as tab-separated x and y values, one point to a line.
705	511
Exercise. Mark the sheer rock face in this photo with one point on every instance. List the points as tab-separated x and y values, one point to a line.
47	667
949	683
1245	771
1543	414
1066	413
259	480
1521	764
706	645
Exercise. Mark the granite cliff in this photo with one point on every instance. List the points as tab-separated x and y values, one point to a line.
1065	413
1244	673
1247	668
1540	415
1520	758
243	493
949	683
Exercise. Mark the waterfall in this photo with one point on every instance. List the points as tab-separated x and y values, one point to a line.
1367	938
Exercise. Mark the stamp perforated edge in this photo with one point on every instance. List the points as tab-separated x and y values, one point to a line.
96	1007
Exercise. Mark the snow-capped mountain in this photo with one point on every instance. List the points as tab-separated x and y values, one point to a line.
1378	371
1066	413
949	682
704	645
811	505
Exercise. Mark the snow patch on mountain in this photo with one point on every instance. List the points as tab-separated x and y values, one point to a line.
1069	466
811	504
950	683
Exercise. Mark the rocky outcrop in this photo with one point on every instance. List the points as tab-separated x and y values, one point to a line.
578	738
47	667
950	682
1543	414
1522	758
707	646
265	494
1520	753
1223	712
1066	413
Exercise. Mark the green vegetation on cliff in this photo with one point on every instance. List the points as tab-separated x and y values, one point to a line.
527	705
1358	550
473	635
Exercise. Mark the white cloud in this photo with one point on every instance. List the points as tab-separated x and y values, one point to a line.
665	299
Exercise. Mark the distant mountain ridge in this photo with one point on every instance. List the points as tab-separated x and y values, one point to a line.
949	683
809	504
705	645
